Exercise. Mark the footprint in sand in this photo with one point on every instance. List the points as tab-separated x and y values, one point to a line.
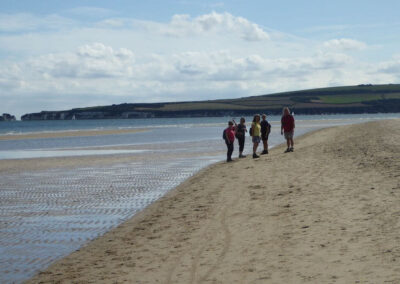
257	186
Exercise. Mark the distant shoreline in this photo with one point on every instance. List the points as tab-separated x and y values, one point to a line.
344	100
216	113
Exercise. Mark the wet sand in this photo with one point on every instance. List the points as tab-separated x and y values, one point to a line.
52	206
61	134
326	213
40	164
73	162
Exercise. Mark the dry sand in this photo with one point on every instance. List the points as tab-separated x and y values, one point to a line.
327	213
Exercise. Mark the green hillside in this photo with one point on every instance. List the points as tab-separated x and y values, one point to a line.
349	99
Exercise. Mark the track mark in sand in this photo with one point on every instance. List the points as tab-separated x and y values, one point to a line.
172	270
195	259
227	237
227	243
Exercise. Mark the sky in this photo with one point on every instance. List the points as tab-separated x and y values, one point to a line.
58	55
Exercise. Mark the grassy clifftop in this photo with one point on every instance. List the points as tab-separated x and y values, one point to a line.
349	99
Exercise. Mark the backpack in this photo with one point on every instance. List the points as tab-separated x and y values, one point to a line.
239	133
224	135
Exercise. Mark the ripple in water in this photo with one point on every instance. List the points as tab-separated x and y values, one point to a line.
48	214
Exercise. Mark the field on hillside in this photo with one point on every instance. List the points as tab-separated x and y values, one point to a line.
350	99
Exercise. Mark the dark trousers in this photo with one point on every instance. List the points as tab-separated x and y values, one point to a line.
230	151
241	143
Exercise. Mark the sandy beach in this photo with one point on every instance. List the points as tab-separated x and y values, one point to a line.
327	213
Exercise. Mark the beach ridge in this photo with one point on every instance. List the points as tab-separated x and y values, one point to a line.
326	213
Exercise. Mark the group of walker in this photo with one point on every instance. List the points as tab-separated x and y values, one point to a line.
259	131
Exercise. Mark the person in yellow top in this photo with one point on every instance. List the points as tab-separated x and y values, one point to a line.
256	133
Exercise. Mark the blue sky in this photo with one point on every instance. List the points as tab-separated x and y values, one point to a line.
58	55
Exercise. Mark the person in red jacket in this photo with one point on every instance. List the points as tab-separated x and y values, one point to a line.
287	128
229	136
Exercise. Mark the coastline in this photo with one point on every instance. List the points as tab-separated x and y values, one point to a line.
315	215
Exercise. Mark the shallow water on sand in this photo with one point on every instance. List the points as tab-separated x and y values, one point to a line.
47	214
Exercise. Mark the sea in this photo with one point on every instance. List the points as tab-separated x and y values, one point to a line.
47	214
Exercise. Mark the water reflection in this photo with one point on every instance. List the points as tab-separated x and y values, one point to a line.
27	154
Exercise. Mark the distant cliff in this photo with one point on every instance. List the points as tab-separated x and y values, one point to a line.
350	99
7	117
80	114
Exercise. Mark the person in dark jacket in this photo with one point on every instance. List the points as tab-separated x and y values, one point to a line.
241	135
265	130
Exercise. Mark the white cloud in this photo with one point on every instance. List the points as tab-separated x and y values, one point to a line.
344	44
390	67
9	84
98	68
10	78
220	23
89	61
216	55
208	24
